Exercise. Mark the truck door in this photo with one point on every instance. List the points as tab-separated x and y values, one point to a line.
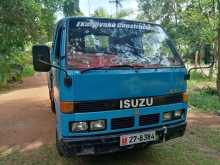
56	57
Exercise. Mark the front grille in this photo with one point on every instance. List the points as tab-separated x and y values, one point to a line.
92	106
149	119
108	105
119	123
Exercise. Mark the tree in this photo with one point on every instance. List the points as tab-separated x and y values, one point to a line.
103	13
218	48
193	24
71	7
123	13
23	22
189	23
19	25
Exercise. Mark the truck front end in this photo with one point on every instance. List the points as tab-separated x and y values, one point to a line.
128	87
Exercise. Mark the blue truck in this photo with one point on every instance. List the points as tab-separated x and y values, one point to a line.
113	85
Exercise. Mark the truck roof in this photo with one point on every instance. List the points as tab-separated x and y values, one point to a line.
110	19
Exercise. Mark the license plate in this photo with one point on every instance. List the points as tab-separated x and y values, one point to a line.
137	138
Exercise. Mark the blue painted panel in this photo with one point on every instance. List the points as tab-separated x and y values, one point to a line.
117	84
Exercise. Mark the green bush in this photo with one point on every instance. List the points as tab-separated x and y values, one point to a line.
198	76
204	101
203	94
28	71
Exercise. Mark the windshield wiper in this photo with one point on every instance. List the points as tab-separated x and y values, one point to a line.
113	66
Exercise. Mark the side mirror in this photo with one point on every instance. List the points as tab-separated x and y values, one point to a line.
41	58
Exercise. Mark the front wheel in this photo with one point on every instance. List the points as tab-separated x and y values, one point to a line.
52	106
52	103
63	149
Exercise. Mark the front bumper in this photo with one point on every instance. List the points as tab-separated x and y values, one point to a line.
109	143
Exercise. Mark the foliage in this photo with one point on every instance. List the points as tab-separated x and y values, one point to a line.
71	7
28	70
22	23
124	13
203	94
103	13
19	26
190	23
204	100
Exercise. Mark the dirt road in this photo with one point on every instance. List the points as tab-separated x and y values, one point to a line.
25	117
26	121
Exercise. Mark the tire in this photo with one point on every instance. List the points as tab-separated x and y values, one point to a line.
59	146
52	104
63	149
50	87
142	147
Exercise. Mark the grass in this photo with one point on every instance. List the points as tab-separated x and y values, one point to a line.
202	101
202	94
28	70
200	145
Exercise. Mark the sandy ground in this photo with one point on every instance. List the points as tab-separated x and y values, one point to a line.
26	121
25	117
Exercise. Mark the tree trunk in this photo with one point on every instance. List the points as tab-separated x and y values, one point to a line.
218	58
215	54
197	58
218	50
211	70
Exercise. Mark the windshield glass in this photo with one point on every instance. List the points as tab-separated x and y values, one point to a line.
104	43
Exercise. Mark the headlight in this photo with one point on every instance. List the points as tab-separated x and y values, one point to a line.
178	114
167	116
79	126
97	125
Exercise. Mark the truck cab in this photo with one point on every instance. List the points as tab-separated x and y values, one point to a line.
113	84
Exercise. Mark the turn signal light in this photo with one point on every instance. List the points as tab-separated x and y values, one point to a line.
185	97
67	107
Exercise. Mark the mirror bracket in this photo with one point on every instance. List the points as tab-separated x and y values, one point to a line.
187	77
67	79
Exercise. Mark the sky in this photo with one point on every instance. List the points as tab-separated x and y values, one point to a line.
89	6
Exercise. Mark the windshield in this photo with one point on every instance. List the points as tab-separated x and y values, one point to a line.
105	43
